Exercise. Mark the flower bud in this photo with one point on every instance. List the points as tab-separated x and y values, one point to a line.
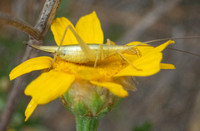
87	100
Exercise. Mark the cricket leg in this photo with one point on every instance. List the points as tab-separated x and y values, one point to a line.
61	42
133	51
138	53
85	48
99	54
124	58
109	42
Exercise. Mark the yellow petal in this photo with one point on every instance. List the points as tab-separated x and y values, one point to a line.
49	86
89	28
167	66
58	28
144	66
116	89
30	108
37	63
134	43
164	45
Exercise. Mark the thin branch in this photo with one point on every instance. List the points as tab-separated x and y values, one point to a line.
42	26
47	15
19	24
148	20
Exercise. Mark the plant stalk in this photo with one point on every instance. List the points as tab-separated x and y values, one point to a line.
87	123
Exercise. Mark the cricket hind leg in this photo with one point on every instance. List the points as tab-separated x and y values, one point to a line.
125	59
61	42
85	48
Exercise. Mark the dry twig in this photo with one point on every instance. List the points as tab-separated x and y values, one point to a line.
19	24
42	26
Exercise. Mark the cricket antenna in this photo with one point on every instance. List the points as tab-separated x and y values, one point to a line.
171	38
187	52
188	37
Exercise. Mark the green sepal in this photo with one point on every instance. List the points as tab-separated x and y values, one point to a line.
80	109
96	104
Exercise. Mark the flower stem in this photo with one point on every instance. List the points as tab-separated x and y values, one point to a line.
86	123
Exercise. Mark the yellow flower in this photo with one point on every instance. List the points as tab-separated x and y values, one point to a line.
55	82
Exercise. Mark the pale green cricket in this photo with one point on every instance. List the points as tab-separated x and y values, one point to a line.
83	53
74	53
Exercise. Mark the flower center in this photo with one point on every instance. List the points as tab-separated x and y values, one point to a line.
104	71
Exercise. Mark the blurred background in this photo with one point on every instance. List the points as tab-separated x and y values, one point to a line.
167	101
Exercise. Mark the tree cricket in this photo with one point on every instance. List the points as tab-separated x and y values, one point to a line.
83	53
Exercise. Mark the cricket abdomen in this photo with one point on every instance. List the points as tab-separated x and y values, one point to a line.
75	56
